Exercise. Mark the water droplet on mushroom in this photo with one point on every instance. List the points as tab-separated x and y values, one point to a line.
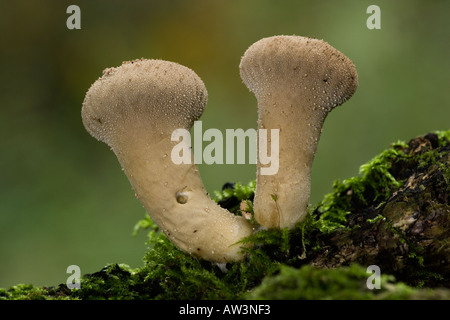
182	197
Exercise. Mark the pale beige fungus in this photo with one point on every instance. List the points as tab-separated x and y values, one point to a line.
134	109
297	81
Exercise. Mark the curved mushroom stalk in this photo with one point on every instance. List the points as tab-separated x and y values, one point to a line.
134	109
297	81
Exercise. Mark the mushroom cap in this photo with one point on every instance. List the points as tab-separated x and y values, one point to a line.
323	75
158	94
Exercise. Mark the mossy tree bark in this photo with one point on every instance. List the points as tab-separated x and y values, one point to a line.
408	234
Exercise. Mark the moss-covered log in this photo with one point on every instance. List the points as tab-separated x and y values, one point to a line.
395	214
407	233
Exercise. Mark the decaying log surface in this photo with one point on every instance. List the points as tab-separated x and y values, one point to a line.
408	235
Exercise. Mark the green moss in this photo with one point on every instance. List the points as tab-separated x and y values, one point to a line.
444	137
23	292
233	194
375	184
341	283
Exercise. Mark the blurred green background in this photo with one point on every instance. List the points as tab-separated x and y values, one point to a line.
63	197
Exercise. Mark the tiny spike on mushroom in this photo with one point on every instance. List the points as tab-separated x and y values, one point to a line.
297	81
134	109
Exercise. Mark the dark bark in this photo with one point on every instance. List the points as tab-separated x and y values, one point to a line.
408	235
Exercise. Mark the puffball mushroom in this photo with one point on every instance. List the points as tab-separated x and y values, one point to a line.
134	109
297	81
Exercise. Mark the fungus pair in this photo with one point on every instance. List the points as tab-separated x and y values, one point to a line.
135	108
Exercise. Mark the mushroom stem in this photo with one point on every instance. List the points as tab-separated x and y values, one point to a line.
181	207
134	109
281	199
297	81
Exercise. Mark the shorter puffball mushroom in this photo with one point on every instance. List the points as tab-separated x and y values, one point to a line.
297	81
134	109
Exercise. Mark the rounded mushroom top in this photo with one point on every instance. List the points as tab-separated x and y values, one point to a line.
152	94
295	64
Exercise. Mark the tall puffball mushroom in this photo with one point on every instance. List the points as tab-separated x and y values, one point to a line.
297	81
134	109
